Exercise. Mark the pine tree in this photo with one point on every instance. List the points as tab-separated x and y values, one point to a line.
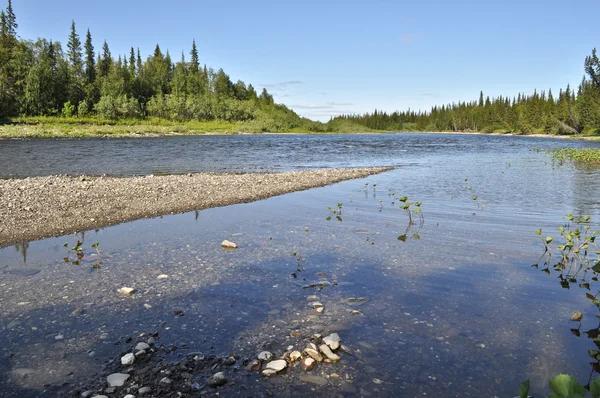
194	62
592	68
11	21
76	93
90	62
105	61
132	63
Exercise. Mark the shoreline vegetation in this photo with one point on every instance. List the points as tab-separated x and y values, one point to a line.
41	207
98	127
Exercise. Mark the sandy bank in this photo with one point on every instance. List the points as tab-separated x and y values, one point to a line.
35	208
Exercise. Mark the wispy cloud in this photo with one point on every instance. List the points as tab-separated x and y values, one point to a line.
409	38
327	105
282	85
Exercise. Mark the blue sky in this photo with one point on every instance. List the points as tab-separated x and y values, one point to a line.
322	58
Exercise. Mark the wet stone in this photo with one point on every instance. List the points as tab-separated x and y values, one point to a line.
314	354
328	353
253	366
333	341
265	356
127	359
309	364
165	380
228	245
144	391
313	297
127	291
318	380
141	347
217	380
117	379
277	365
295	355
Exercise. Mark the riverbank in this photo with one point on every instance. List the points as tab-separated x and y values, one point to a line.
53	127
35	208
95	126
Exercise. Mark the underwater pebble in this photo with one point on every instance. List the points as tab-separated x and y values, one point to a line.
126	291
228	245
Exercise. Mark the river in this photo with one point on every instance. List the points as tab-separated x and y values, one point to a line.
451	307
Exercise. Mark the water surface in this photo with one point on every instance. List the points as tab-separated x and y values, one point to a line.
457	311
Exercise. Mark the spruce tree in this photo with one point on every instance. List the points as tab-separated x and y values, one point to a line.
11	21
105	60
194	62
90	62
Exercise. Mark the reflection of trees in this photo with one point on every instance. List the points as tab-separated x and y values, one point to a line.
22	248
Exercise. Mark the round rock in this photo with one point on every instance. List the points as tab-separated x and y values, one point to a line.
217	380
277	365
127	359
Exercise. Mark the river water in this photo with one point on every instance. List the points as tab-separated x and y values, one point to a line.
454	308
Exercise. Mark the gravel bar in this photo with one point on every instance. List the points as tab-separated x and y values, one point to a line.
41	207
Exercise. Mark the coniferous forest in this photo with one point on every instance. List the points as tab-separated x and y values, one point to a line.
45	78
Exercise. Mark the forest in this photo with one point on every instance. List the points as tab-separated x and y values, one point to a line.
570	112
44	79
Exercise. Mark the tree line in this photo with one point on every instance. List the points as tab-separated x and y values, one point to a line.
41	78
569	112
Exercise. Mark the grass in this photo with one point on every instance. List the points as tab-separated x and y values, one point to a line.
80	127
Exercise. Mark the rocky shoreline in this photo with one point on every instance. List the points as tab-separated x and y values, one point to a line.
40	207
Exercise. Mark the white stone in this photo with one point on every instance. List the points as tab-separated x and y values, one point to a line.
228	245
126	291
162	276
314	354
333	341
117	379
265	356
294	356
328	353
127	359
277	365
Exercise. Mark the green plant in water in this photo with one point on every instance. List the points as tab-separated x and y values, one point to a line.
337	212
566	386
415	217
574	255
578	156
577	249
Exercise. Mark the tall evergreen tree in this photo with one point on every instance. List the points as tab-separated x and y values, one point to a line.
195	61
90	62
105	61
76	75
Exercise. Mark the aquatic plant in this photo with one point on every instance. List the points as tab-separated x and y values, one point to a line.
579	156
577	263
415	217
337	212
565	386
577	249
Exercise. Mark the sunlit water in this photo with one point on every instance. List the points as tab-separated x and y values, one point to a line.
457	311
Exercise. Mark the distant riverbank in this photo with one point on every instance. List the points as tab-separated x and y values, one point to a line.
58	127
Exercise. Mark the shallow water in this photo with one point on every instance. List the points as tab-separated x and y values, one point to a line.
457	312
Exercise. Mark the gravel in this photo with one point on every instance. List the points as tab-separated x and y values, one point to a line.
41	207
